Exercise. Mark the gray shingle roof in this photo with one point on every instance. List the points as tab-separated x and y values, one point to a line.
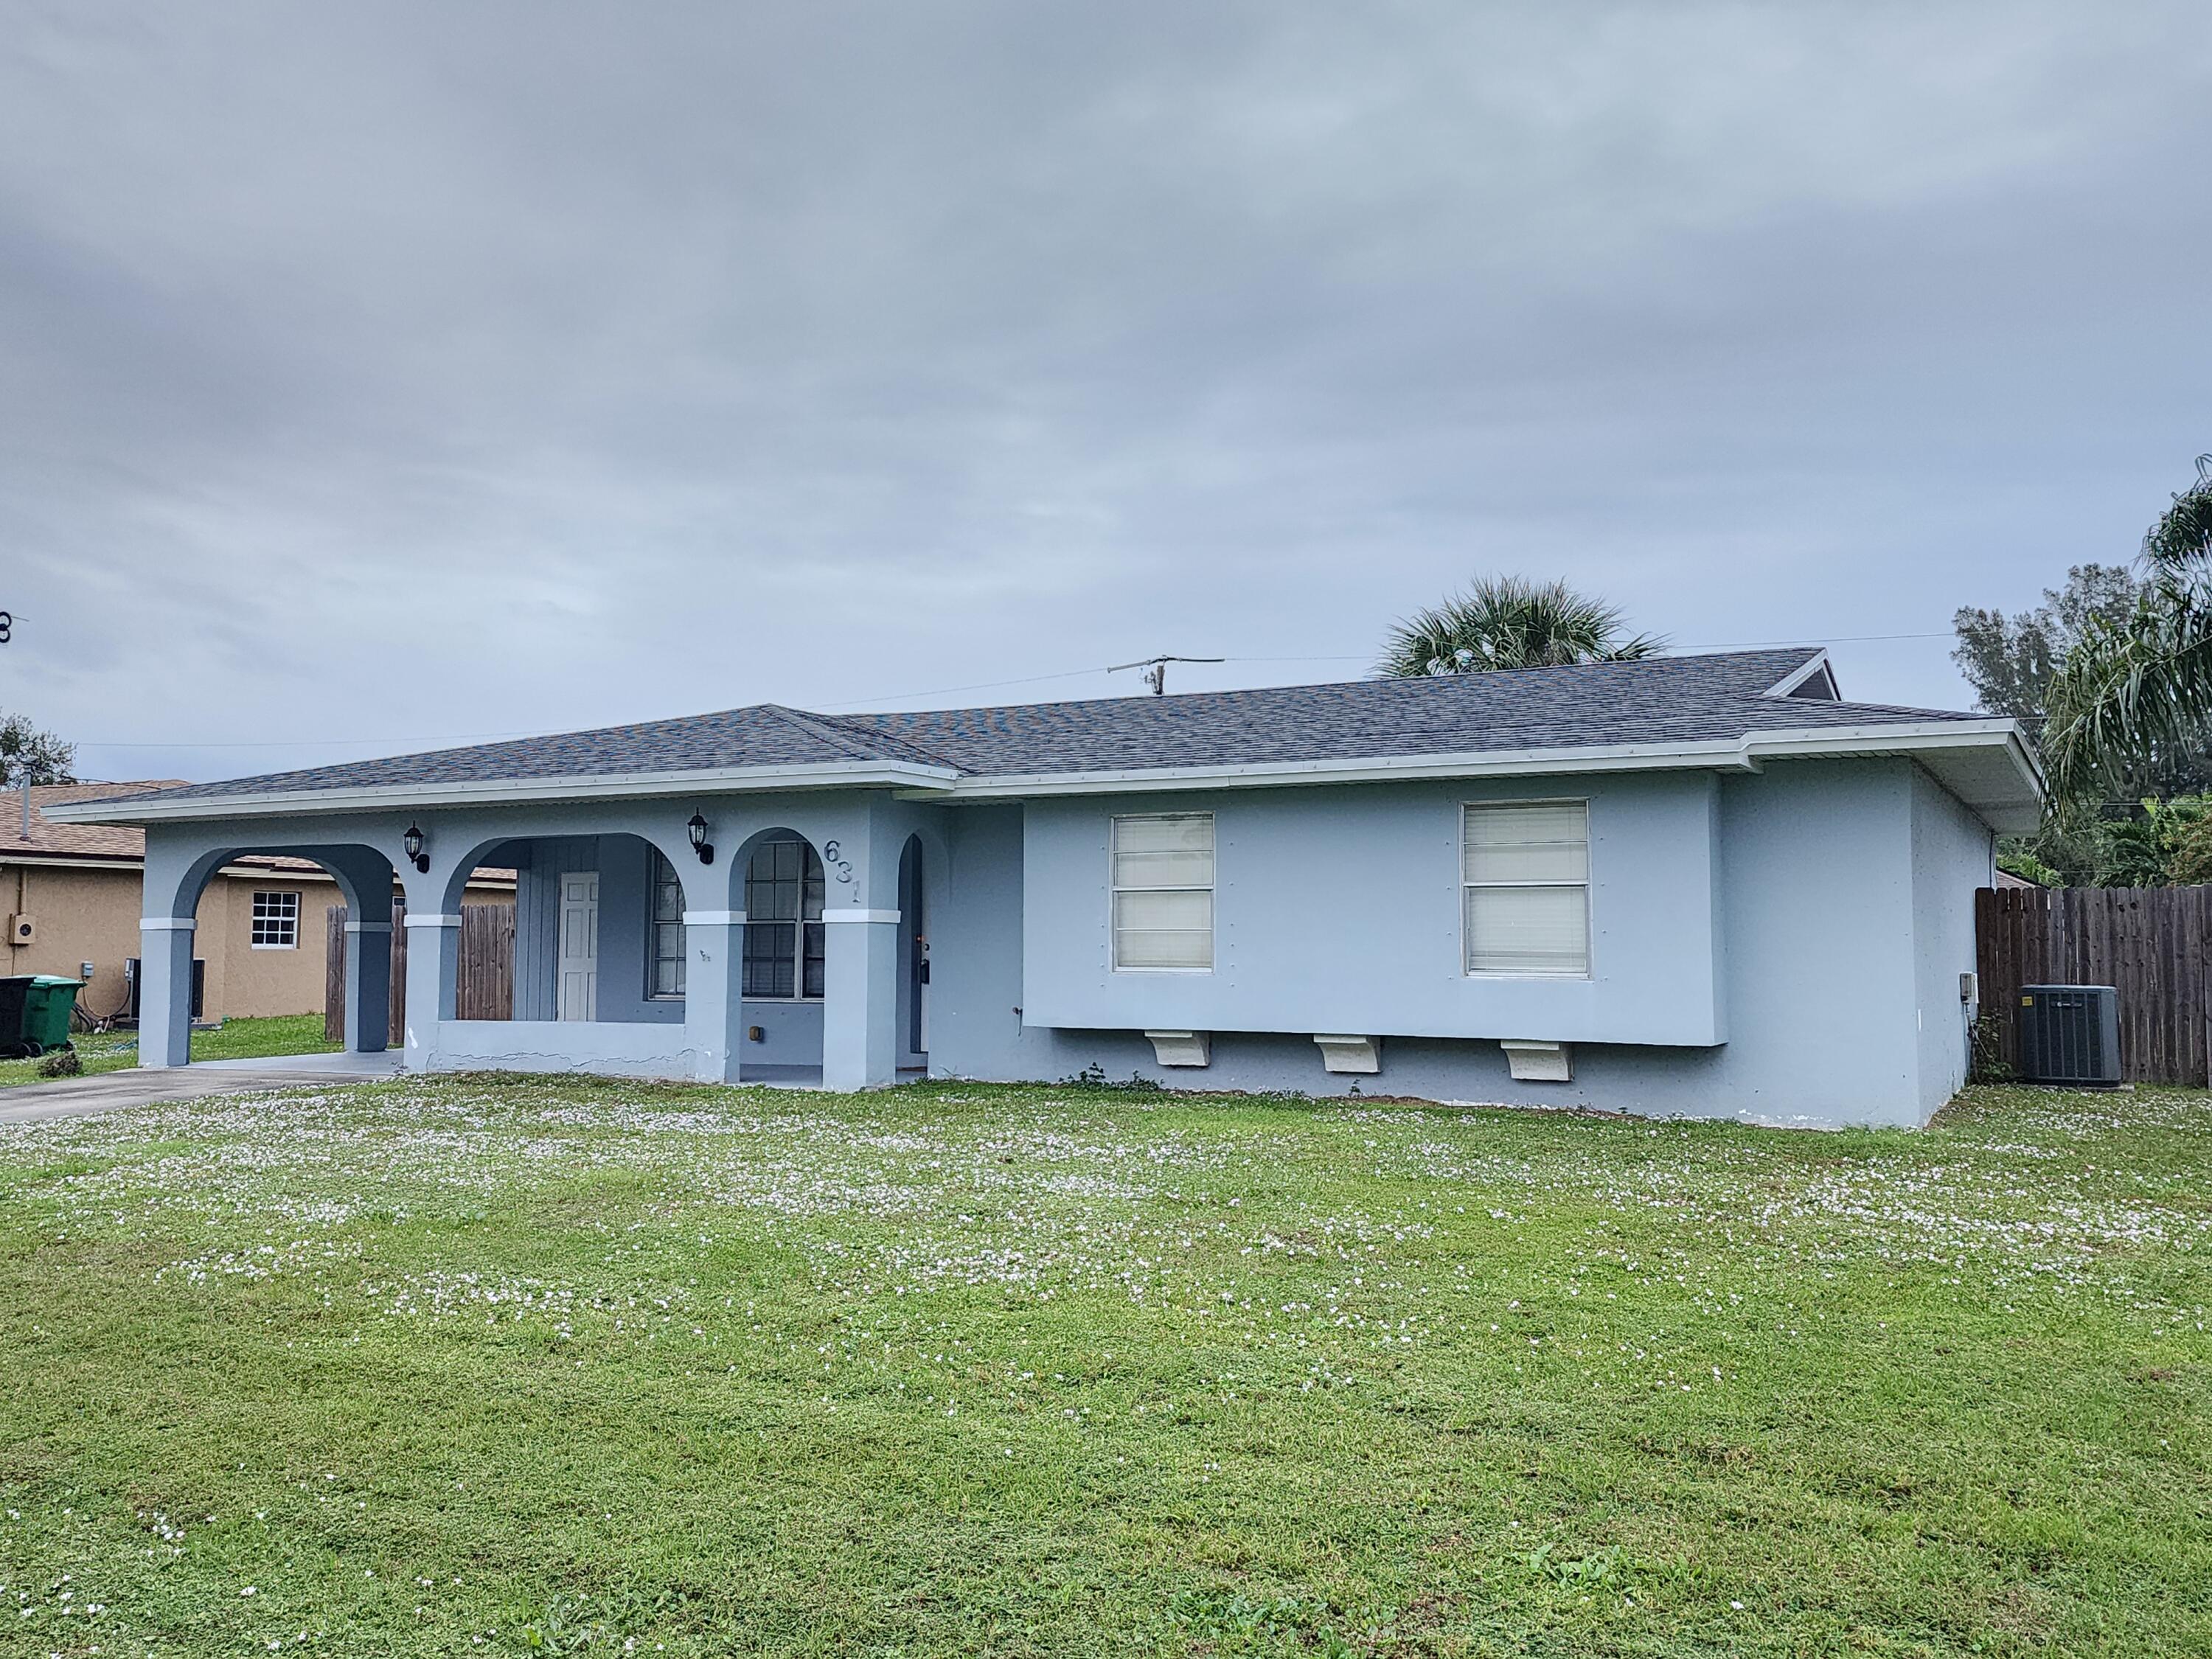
1661	700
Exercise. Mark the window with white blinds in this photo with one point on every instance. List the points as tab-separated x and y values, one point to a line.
1525	866
1163	882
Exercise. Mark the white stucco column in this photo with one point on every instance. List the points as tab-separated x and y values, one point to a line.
165	990
368	985
860	1009
433	975
714	1014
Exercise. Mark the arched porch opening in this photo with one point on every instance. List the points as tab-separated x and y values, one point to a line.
597	935
244	929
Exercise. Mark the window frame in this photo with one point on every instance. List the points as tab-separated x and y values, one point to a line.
801	924
1114	890
658	863
1588	883
287	913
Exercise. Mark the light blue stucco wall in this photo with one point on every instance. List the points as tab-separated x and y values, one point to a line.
1797	917
1339	909
1946	841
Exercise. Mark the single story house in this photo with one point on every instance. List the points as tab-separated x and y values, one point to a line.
1697	885
72	894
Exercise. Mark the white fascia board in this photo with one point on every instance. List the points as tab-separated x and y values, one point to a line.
1723	754
1745	754
503	792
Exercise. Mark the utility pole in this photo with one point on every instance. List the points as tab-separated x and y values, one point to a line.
1156	670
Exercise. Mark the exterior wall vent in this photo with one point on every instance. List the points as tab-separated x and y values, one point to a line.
1539	1062
1181	1048
2070	1034
1351	1054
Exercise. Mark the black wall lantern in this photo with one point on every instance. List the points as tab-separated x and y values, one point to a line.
412	841
699	844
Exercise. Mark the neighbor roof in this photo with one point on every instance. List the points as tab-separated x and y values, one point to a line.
49	839
1662	703
121	845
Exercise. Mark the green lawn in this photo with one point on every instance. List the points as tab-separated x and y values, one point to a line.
500	1366
234	1039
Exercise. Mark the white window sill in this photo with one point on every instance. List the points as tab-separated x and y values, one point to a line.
294	945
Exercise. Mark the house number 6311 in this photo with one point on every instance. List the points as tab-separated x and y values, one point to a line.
843	868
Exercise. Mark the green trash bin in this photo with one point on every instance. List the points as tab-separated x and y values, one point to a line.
46	1010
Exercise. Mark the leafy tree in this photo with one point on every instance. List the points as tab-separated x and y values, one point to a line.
1510	621
2135	693
2010	661
2151	848
27	752
2188	863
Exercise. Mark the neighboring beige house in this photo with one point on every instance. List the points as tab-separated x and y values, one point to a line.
70	893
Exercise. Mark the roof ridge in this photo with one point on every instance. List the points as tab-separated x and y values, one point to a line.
862	731
815	726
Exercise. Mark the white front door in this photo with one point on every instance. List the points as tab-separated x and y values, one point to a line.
579	978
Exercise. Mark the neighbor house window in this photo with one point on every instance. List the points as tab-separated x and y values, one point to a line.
1163	878
1526	873
275	922
783	922
667	943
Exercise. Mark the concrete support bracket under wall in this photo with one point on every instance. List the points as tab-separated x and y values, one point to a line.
1181	1048
1539	1062
1362	1055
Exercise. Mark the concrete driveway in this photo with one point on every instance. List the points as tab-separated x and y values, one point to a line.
111	1091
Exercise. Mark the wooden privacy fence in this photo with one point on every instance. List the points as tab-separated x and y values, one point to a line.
2153	944
486	980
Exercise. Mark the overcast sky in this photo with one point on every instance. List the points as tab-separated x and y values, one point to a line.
373	376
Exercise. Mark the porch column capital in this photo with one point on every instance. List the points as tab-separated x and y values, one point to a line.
167	924
860	915
413	921
713	918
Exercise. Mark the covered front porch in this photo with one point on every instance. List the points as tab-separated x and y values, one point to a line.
770	937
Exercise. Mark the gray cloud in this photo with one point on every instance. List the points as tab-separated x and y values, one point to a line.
390	373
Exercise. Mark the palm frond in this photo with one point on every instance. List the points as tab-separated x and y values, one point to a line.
1507	622
2183	535
2132	692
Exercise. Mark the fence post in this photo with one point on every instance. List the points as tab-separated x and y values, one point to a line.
334	976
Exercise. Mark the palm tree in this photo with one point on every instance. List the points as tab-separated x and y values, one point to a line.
1510	621
2136	692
